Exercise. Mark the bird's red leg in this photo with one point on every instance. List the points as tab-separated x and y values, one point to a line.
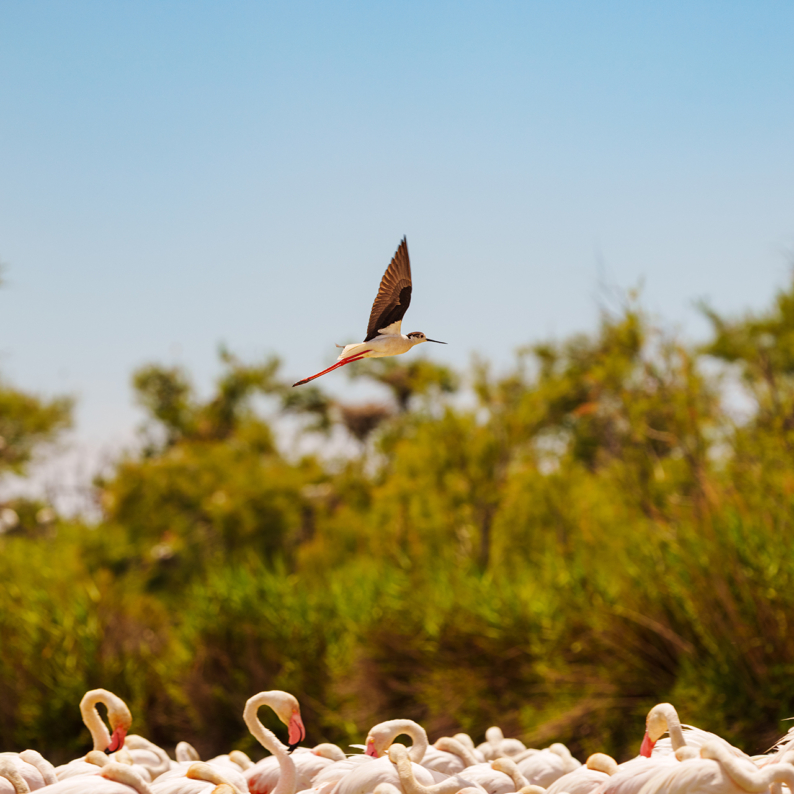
338	364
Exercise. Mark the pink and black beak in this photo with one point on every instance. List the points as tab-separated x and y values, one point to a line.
297	733
647	746
116	740
371	751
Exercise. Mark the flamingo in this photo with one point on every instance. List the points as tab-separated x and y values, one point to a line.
449	756
308	764
597	769
148	755
494	781
508	766
719	771
495	744
175	780
93	762
468	743
364	777
113	778
288	711
120	720
380	738
199	778
236	759
398	756
631	776
332	774
11	778
544	767
35	770
186	754
663	718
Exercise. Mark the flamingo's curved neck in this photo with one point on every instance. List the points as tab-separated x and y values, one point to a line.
744	775
9	771
287	778
509	767
99	732
457	748
417	734
400	758
673	726
202	771
121	773
465	740
42	764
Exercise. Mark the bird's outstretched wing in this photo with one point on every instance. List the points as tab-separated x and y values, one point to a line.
394	294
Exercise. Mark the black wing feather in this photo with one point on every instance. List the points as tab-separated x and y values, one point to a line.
394	294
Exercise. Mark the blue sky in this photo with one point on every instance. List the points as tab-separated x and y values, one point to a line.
174	175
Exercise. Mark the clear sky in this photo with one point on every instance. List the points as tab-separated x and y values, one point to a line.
174	175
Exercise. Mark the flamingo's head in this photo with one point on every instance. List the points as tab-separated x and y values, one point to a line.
382	736
289	712
120	721
655	727
372	750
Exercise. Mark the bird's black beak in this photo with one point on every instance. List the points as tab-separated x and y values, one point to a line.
292	747
436	341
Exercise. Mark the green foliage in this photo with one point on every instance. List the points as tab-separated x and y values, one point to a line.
166	393
26	422
583	536
417	377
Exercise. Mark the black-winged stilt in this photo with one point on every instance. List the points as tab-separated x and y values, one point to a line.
384	335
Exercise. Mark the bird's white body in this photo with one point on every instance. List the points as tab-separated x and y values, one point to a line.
387	343
89	784
543	768
263	776
632	775
29	773
488	778
580	781
698	776
364	778
177	781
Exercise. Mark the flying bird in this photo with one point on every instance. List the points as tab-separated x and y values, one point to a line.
384	334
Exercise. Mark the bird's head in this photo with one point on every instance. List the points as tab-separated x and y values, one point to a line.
378	742
656	725
288	711
417	337
120	721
